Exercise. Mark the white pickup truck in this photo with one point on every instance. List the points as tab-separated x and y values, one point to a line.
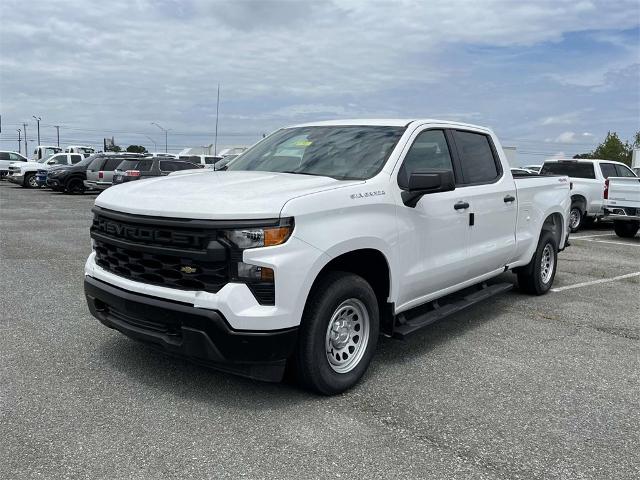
316	240
622	205
588	185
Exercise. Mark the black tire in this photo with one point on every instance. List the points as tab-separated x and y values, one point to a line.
626	228
577	223
75	186
532	278
29	181
312	366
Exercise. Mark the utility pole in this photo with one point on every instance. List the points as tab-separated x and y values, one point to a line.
38	120
58	133
26	146
215	142
19	141
165	135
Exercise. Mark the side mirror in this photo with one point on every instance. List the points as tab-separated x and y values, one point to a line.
423	182
51	162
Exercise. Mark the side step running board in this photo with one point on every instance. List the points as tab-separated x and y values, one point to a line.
407	323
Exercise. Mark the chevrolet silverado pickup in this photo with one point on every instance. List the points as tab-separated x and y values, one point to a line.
317	240
622	204
587	177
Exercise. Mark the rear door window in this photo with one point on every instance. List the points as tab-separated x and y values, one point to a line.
608	170
145	165
624	171
15	157
4	156
570	169
477	161
60	159
111	164
75	158
96	164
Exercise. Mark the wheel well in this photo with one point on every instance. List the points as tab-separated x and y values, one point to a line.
553	224
371	265
579	200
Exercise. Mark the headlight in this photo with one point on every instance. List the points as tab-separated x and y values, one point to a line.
260	237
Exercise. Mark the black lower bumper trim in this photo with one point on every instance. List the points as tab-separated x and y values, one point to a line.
197	334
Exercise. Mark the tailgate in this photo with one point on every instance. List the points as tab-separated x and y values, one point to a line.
624	191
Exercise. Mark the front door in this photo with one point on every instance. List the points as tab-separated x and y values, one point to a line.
433	235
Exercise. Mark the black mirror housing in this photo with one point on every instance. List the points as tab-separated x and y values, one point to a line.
423	182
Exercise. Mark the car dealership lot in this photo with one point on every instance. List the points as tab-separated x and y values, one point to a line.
517	387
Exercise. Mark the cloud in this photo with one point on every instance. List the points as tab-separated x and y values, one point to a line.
572	137
116	66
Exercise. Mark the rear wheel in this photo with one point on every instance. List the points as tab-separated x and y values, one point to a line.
30	181
576	218
626	228
537	277
338	333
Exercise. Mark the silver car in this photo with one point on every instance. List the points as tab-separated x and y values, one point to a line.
100	170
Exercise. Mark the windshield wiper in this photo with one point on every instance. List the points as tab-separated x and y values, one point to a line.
303	173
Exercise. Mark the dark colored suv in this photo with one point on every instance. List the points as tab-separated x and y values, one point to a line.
133	169
68	178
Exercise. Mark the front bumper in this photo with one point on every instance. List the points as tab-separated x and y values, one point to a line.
19	179
200	335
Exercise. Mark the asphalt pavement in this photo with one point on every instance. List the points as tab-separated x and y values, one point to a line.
517	387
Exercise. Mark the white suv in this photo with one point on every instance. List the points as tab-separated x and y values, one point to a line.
588	178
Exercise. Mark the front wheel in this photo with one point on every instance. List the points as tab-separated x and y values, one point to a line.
30	181
338	333
537	276
75	186
626	228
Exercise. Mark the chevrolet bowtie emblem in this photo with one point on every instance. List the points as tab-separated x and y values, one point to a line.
188	269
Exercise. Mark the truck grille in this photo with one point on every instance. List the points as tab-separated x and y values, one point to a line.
173	253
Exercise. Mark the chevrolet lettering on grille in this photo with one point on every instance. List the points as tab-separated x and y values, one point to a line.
142	234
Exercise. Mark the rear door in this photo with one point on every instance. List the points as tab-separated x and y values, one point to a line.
491	194
94	167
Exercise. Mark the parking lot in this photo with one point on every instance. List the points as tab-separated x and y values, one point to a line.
517	387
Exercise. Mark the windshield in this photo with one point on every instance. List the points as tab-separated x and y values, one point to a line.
342	152
48	151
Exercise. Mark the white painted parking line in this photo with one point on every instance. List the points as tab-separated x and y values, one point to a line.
572	237
617	243
595	282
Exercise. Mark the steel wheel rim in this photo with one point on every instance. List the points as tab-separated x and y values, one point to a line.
574	218
32	181
347	335
547	263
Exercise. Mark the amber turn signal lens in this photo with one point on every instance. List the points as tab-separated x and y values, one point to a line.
266	274
276	236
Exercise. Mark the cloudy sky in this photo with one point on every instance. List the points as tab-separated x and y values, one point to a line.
549	76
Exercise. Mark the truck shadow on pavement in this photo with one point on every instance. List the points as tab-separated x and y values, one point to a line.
165	373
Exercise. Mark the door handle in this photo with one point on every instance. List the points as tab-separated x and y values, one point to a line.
509	198
461	206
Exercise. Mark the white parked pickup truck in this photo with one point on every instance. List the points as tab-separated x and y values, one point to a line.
587	192
622	205
316	240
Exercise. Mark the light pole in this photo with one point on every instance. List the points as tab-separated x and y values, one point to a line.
155	146
26	145
58	133
38	120
165	135
20	141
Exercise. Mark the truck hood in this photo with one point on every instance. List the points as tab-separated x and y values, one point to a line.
30	165
207	194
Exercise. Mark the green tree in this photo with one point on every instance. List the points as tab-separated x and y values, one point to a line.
612	148
136	149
